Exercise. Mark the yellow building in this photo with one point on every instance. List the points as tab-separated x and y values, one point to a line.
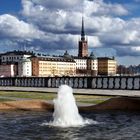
53	66
107	66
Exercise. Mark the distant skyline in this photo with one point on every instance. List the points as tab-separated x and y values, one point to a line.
53	26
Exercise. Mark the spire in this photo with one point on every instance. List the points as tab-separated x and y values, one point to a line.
82	30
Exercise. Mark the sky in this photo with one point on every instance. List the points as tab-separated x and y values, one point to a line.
112	27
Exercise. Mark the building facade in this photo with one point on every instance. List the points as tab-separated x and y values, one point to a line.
81	65
53	66
14	56
8	70
107	66
25	67
92	65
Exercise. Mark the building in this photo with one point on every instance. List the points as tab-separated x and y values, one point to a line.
92	65
53	66
81	65
8	70
107	66
15	56
83	44
25	67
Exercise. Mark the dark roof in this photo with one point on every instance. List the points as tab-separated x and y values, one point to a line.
77	57
18	53
67	56
61	59
92	56
105	58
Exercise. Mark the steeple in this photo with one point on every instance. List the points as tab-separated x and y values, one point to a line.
83	44
82	30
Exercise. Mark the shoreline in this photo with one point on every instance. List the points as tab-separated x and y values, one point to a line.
117	103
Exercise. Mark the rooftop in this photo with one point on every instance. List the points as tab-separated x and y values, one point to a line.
15	52
105	58
51	58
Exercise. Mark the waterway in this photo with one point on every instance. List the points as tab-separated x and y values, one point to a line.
111	125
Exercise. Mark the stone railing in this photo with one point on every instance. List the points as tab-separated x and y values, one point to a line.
105	82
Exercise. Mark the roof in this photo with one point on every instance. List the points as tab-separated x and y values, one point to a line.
18	53
105	58
51	58
77	57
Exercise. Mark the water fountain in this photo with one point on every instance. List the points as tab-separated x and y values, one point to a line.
26	124
66	113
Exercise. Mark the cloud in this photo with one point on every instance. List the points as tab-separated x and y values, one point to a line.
99	7
58	4
12	27
55	26
103	24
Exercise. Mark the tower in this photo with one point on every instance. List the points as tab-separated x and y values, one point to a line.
83	44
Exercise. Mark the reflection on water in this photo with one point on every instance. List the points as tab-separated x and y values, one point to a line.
27	126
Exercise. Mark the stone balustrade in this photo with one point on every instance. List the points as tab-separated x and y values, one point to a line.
104	82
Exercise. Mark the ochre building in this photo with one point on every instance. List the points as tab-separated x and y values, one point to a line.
107	66
53	66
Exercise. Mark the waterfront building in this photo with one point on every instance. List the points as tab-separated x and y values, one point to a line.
8	70
107	66
14	56
53	66
81	65
92	65
25	67
66	65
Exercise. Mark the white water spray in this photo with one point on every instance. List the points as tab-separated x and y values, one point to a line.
66	113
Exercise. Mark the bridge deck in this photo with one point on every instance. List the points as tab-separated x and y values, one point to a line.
100	92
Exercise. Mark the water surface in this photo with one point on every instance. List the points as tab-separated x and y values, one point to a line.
111	126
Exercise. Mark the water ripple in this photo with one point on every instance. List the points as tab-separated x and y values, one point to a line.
111	126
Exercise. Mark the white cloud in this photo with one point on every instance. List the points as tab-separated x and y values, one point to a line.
55	25
10	26
61	20
30	9
93	41
99	7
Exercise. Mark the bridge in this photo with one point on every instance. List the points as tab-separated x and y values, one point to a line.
104	82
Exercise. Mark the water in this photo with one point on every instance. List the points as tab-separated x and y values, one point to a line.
67	124
111	126
66	113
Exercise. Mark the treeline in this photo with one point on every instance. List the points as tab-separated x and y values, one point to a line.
130	70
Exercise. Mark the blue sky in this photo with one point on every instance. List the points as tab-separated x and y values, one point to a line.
10	6
53	26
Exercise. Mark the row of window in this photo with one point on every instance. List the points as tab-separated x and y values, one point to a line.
56	64
12	57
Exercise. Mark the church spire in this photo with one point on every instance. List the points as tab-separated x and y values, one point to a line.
83	44
82	30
